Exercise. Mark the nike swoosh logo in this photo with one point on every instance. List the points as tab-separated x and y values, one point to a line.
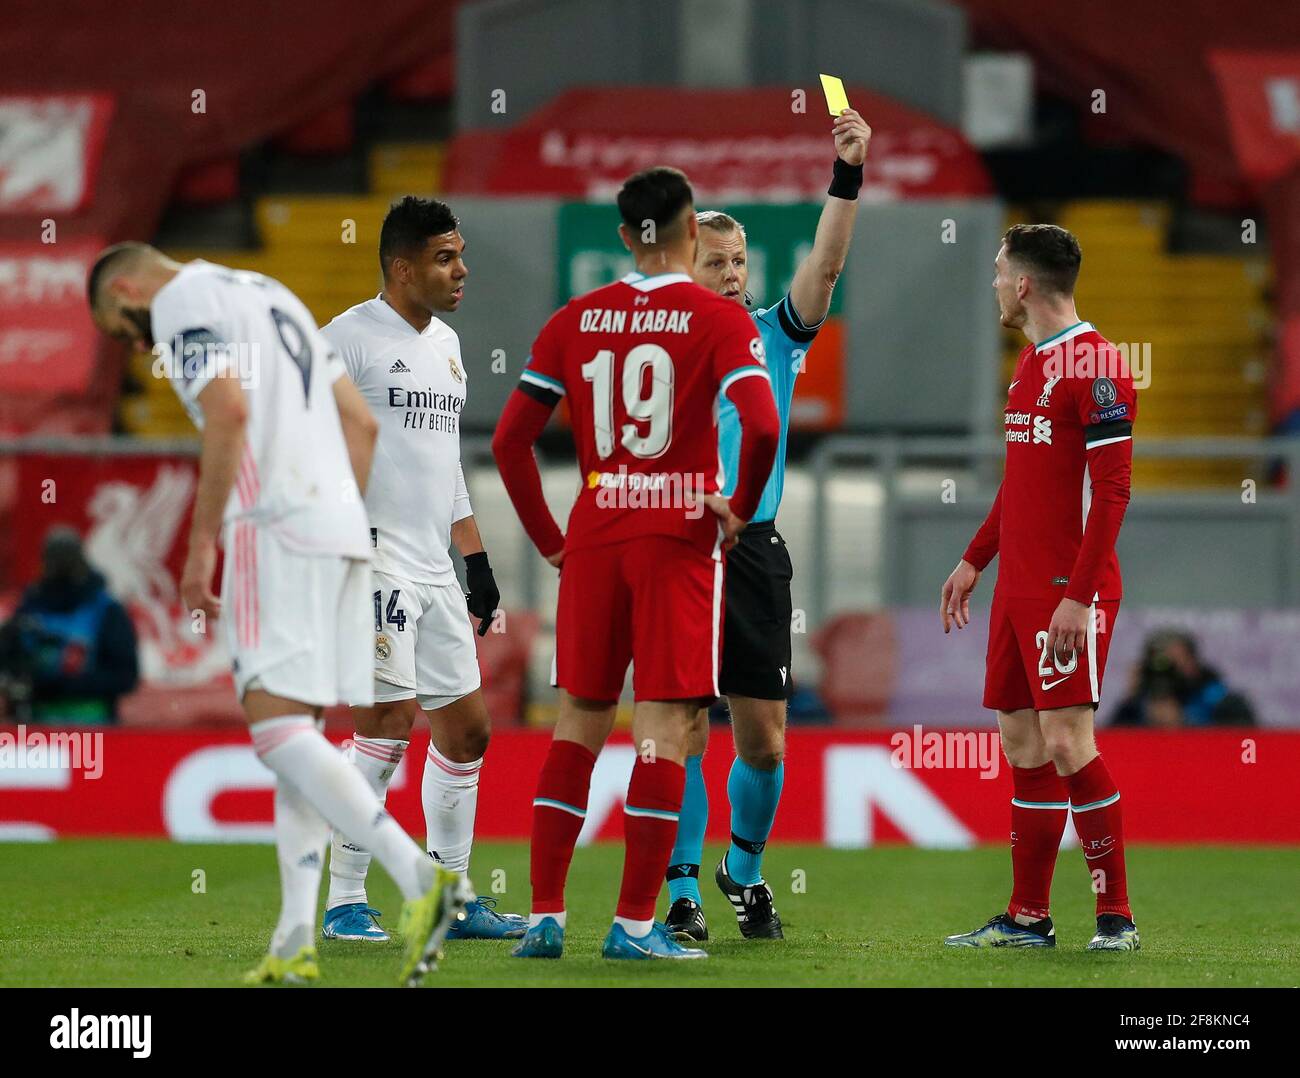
1094	856
643	950
1013	385
1055	683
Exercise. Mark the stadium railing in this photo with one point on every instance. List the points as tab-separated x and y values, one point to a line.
918	500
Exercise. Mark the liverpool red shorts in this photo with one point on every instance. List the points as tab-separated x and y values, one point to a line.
654	601
1022	674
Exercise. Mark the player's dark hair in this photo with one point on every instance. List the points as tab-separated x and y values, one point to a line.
658	195
1049	252
409	225
117	257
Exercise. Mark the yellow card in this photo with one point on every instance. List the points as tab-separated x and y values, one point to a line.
836	98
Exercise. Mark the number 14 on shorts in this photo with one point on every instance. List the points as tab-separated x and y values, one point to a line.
393	614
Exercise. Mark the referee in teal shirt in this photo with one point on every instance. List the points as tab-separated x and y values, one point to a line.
755	675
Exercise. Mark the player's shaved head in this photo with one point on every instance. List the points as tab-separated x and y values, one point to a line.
1047	253
409	226
121	286
115	261
655	206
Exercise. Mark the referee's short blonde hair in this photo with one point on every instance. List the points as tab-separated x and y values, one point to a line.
719	222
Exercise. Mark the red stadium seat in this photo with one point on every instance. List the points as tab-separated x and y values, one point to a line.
331	131
208	183
429	80
859	654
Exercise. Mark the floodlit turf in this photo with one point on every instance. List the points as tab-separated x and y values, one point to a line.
108	913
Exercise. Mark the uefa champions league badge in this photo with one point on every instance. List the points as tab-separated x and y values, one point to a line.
1104	392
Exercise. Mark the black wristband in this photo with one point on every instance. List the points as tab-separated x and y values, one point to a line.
476	562
847	180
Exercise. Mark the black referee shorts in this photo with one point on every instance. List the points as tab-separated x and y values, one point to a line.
756	625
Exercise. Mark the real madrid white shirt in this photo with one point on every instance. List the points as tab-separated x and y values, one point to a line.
294	478
415	385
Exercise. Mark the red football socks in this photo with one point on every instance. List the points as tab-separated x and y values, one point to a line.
1038	812
1094	800
654	801
559	810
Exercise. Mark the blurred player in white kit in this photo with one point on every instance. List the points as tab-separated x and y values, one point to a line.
287	446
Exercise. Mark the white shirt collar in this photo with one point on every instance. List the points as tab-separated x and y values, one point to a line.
1063	336
642	283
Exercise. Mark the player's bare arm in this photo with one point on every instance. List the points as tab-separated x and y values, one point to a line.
814	280
360	429
225	417
465	535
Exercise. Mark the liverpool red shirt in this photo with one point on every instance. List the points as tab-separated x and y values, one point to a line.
641	363
1068	426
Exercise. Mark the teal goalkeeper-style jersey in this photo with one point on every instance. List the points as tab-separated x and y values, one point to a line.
785	341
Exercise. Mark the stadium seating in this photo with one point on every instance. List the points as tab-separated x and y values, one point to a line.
1205	318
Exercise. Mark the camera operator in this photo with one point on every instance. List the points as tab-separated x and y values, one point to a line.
69	651
1175	689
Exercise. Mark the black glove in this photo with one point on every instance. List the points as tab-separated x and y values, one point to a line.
484	596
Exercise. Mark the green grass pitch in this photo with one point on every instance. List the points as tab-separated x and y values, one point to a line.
126	913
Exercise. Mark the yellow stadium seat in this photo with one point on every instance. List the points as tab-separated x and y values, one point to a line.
1204	318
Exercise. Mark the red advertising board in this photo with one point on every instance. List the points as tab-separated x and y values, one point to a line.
842	789
52	144
1261	96
735	145
132	512
48	343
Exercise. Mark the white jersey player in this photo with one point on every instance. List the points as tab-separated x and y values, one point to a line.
408	366
287	443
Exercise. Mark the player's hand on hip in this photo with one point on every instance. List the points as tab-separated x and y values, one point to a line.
556	559
731	524
1067	636
852	135
954	603
196	579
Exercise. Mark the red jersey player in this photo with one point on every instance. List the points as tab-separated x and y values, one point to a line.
1069	423
642	363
